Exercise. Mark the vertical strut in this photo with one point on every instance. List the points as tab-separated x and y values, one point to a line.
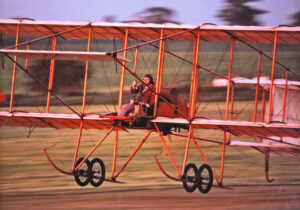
263	105
257	87
191	99
272	77
14	71
86	72
26	60
285	96
77	145
51	74
123	69
120	98
186	149
194	77
83	100
193	95
115	154
135	59
159	70
231	109
226	111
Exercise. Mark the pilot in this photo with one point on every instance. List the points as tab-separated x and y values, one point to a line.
143	95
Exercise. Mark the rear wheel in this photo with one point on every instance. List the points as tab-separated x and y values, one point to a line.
96	172
189	179
204	178
81	174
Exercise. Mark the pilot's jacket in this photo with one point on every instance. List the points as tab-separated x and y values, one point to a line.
144	94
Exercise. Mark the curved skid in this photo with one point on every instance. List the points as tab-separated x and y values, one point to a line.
54	166
268	178
165	173
267	156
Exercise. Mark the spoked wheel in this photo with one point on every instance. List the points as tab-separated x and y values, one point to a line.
189	179
204	178
81	175
96	172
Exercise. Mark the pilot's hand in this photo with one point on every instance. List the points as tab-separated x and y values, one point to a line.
134	84
145	105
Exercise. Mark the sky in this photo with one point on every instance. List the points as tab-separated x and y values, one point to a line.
192	12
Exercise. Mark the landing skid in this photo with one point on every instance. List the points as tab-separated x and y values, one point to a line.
267	157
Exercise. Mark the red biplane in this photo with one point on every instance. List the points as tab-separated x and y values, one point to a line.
278	130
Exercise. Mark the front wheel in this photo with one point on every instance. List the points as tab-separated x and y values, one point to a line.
189	178
96	172
204	178
81	174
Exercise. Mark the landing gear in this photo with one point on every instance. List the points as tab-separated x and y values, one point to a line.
93	172
204	178
81	175
189	179
96	172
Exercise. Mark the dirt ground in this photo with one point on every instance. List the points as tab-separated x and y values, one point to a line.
231	197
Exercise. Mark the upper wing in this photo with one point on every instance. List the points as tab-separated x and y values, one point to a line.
239	128
51	120
138	31
64	55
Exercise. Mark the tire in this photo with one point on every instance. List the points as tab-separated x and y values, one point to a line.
81	175
204	178
189	179
96	172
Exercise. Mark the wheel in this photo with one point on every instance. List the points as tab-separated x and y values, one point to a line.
189	178
204	178
81	175
96	172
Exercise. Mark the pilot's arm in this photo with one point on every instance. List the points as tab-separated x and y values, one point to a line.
134	87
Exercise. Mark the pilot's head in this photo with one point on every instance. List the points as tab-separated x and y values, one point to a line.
148	79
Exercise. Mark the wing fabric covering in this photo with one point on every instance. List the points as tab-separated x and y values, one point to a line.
51	120
238	128
95	121
138	31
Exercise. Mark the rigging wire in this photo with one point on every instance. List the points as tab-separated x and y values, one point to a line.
114	50
182	63
2	46
221	60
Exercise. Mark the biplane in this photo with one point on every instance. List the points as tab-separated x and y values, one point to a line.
277	129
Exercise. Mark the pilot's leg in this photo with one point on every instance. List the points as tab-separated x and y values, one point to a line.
126	109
